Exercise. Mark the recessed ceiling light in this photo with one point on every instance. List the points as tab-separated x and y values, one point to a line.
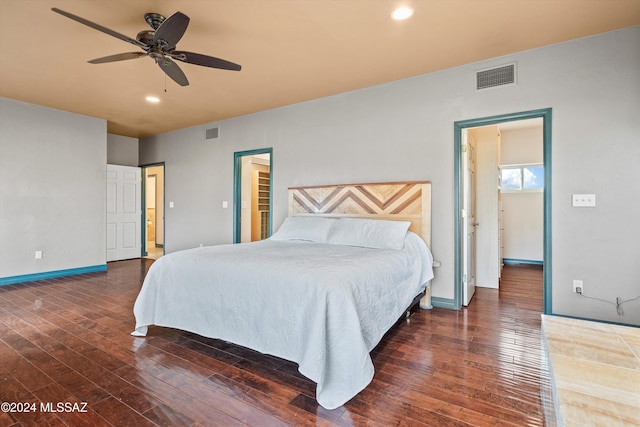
153	99
402	13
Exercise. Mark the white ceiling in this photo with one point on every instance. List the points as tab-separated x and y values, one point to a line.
290	50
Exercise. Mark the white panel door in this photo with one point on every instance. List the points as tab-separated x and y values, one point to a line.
469	217
124	192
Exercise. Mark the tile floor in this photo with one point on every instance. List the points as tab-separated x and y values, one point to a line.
153	252
595	371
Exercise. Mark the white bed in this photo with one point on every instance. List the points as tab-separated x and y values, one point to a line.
321	292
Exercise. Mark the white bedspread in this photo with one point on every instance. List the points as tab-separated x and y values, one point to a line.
322	306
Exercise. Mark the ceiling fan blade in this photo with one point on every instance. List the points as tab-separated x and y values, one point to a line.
173	70
100	28
172	30
118	57
204	60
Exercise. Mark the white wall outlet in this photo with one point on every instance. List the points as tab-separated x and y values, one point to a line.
578	287
38	254
171	205
583	200
225	204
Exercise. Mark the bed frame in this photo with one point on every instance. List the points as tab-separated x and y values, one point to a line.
400	201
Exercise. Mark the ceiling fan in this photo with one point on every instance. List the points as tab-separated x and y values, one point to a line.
159	44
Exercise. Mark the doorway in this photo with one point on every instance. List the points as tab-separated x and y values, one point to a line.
464	223
252	200
153	211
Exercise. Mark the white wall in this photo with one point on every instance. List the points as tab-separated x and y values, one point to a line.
523	226
523	217
522	146
52	189
122	150
404	131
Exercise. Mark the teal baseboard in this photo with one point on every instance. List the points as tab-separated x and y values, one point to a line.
51	274
443	303
513	261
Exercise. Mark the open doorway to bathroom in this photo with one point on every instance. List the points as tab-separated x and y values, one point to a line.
153	211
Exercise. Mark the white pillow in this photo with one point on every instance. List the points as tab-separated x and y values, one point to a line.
312	228
369	233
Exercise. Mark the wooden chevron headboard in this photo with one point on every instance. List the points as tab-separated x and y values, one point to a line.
401	201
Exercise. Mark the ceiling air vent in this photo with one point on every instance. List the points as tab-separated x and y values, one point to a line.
212	133
493	77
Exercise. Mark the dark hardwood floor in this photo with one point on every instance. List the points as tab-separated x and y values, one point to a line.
67	340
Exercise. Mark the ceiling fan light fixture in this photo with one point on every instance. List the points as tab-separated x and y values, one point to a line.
152	99
402	13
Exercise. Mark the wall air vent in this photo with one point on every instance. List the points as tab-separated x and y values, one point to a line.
494	77
212	133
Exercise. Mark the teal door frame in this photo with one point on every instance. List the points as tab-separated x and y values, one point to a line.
237	189
143	239
545	114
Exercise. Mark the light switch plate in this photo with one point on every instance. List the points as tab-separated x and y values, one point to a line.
583	200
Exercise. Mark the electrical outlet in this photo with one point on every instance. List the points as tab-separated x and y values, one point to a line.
38	254
578	287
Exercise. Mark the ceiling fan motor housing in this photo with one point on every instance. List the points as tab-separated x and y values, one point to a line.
146	37
154	19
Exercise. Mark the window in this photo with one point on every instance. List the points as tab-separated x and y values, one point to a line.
522	177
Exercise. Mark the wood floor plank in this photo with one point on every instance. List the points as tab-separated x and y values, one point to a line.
77	415
68	339
173	397
13	392
22	369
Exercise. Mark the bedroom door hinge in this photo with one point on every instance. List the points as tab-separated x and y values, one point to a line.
464	278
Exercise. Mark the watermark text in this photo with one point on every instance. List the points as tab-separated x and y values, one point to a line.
43	407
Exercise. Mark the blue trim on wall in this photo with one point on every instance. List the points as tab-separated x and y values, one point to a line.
457	209
546	245
512	261
52	274
444	303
